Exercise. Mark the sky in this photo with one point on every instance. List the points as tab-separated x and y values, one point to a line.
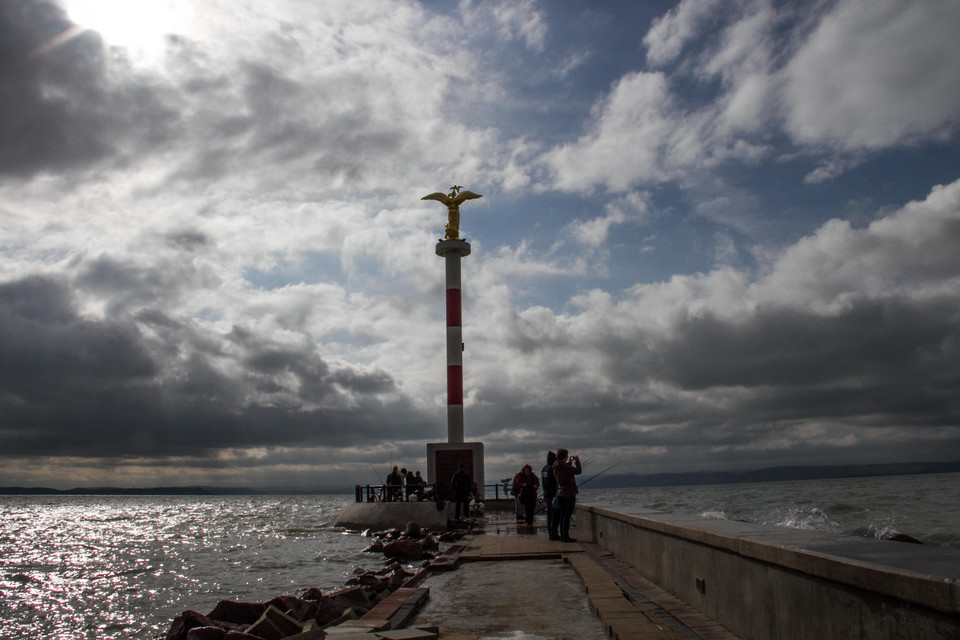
714	235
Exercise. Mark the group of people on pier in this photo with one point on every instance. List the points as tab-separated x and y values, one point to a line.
557	479
559	482
400	485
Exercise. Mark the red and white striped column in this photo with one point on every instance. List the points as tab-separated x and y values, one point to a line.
452	251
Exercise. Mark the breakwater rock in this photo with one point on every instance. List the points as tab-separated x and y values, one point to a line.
304	616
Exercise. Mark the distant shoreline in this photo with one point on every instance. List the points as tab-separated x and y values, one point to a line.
612	481
169	491
772	474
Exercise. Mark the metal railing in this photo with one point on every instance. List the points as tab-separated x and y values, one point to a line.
397	493
393	493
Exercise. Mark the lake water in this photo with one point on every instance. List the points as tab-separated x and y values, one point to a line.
123	566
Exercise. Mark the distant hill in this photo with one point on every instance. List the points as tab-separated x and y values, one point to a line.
772	474
602	481
168	491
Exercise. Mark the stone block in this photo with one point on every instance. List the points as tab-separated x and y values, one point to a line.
353	597
275	625
408	634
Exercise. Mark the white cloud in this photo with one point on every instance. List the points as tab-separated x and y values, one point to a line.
910	253
635	137
876	73
514	19
862	76
743	60
670	33
594	232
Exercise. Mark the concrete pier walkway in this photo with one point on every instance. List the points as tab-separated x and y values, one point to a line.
512	582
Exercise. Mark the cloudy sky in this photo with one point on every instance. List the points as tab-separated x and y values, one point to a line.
713	235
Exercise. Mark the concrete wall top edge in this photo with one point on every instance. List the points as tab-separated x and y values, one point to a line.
921	574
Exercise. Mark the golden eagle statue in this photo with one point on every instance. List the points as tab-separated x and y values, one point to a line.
453	208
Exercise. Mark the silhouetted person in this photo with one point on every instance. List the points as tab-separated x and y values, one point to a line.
528	492
394	485
566	472
548	482
461	491
415	485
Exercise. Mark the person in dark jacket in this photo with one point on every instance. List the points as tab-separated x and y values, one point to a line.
461	491
548	483
394	485
528	492
566	471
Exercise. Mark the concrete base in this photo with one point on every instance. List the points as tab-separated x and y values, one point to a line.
472	452
388	515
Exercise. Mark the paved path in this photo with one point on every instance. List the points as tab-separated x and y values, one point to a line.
512	582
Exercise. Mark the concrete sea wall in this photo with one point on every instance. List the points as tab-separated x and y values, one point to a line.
387	515
767	583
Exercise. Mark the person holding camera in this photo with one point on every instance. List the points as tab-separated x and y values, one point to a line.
566	469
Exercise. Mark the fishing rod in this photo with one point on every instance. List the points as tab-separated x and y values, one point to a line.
583	464
593	477
541	503
382	483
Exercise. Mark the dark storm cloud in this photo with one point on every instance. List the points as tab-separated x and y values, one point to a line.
58	108
872	338
892	357
43	339
270	118
739	383
75	386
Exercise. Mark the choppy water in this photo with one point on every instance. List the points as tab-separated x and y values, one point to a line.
92	567
926	507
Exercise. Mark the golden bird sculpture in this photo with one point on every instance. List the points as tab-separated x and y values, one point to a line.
453	200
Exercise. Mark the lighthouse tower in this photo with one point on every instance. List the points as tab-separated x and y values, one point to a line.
443	458
452	251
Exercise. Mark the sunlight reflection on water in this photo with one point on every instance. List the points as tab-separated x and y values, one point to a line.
120	566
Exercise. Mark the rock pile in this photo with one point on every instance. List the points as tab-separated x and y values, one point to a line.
410	545
302	617
281	617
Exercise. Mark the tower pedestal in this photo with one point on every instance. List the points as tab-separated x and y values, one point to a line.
442	461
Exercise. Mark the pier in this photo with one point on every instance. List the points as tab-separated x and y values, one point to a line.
512	582
507	580
650	575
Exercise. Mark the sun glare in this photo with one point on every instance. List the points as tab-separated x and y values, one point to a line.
136	25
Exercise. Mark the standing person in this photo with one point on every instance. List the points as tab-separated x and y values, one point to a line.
405	481
461	490
548	482
566	471
394	485
417	485
516	494
528	492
